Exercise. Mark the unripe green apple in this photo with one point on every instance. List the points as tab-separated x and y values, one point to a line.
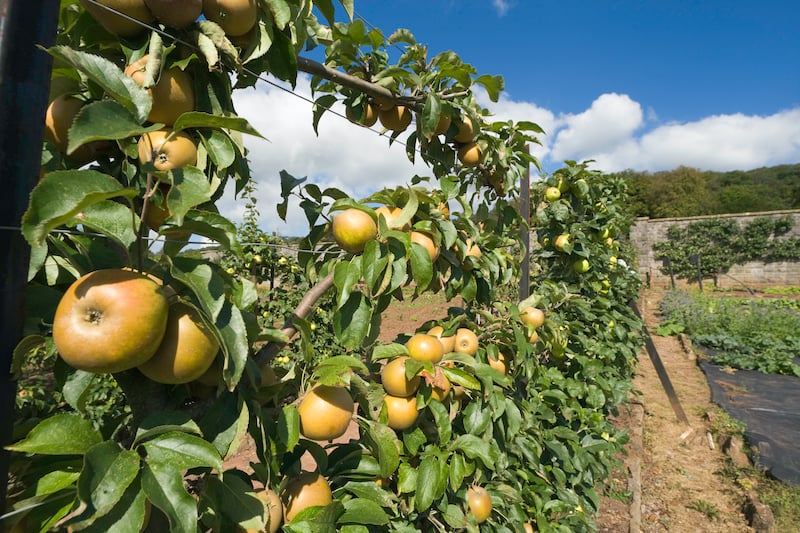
552	194
581	265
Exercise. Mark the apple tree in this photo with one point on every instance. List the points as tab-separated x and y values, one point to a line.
143	138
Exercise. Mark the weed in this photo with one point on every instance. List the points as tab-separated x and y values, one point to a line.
707	508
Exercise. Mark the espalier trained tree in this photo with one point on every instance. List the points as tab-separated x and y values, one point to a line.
493	417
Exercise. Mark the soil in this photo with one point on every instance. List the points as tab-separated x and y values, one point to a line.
680	488
669	480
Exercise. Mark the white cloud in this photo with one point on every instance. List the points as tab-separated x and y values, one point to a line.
610	121
613	131
502	6
720	142
723	142
348	157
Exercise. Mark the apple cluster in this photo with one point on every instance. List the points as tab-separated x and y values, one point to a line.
115	320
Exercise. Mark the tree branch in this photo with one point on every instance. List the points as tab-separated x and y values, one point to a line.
310	66
304	308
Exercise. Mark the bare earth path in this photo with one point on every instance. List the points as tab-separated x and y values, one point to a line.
679	487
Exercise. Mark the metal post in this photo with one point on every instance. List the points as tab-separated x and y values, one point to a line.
525	211
24	91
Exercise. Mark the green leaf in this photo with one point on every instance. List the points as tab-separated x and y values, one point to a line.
207	47
221	149
61	195
78	389
62	434
363	511
112	219
164	422
346	276
110	78
128	516
352	320
326	8
181	451
303	327
382	441
414	440
372	491
164	487
190	188
429	482
493	85
373	265
387	351
289	426
104	120
458	376
348	7
214	33
458	471
233	329
421	267
335	371
282	58
107	472
476	448
55	480
281	12
236	500
212	225
288	184
406	479
225	424
442	418
477	418
198	119
430	115
201	279
321	105
401	35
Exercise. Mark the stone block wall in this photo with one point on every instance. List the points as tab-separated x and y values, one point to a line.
646	232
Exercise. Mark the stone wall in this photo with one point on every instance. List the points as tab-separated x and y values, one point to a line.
645	232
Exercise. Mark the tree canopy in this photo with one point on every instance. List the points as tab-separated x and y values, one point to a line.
687	191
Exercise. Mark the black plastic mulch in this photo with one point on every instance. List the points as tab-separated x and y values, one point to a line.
769	405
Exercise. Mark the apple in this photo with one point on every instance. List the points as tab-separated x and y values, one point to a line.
552	194
562	242
352	229
581	265
110	320
187	351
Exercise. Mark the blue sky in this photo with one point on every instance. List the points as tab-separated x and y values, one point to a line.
643	85
681	59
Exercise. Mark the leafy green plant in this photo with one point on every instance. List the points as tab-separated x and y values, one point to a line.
747	334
